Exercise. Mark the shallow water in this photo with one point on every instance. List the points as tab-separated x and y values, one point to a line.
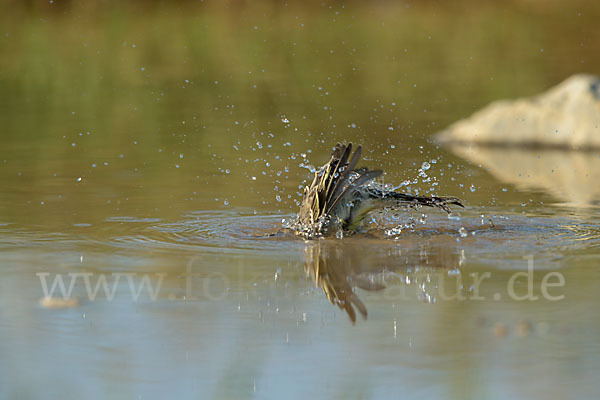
238	313
166	186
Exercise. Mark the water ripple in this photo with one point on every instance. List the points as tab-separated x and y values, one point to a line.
233	230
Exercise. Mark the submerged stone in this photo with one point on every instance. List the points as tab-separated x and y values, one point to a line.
59	302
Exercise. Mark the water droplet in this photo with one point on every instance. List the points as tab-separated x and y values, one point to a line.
472	188
425	166
454	216
463	232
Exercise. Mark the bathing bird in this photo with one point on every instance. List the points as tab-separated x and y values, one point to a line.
342	195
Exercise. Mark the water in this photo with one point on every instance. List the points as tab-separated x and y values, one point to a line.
162	169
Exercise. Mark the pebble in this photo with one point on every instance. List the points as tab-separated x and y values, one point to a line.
59	302
500	329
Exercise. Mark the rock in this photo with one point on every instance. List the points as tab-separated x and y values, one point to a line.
566	116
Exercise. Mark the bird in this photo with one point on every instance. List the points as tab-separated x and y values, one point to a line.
341	196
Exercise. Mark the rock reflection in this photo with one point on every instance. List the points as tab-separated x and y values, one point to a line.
338	267
570	176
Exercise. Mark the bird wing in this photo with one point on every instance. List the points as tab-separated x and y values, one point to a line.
332	182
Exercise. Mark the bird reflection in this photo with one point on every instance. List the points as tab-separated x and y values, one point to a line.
339	267
333	271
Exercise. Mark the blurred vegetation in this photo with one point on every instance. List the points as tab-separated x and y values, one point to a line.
67	54
153	80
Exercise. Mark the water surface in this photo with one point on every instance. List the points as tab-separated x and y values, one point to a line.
161	145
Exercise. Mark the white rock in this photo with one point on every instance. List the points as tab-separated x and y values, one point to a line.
566	116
